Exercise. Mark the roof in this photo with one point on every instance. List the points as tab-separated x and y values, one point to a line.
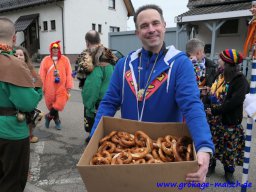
129	7
215	10
24	21
203	3
9	5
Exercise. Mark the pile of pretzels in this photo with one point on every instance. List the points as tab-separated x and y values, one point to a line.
120	147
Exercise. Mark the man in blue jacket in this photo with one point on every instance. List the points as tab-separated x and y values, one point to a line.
157	84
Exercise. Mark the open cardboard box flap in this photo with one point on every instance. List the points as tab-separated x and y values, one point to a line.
135	178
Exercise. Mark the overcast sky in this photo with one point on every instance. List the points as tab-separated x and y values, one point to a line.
170	8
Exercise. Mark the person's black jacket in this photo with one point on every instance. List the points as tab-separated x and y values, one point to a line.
231	109
210	72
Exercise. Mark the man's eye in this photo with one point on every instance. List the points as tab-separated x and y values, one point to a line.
143	26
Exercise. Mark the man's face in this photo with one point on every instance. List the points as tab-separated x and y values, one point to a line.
55	51
200	55
150	30
253	9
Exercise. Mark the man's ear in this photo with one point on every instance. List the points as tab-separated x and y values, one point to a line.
136	32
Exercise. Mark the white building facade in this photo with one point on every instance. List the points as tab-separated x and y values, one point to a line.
67	21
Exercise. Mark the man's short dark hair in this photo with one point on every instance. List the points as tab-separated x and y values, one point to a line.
92	37
145	7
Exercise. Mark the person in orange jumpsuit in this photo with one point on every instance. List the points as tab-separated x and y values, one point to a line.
55	71
250	43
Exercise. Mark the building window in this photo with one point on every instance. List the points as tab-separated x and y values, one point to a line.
53	25
93	26
111	4
99	28
45	24
229	27
114	29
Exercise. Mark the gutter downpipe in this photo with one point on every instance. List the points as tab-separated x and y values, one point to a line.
62	22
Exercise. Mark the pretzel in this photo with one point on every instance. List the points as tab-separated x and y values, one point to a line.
119	148
139	161
125	157
165	158
167	147
127	140
140	138
122	158
170	138
175	152
99	161
155	154
154	161
115	139
139	153
158	143
108	146
107	138
184	148
125	148
189	153
106	155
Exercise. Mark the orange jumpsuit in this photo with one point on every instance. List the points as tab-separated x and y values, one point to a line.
56	94
251	38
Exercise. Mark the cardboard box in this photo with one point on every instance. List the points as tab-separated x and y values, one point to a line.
134	178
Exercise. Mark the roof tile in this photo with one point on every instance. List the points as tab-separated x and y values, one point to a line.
217	9
9	5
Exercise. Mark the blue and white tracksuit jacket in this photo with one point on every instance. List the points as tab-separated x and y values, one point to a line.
172	93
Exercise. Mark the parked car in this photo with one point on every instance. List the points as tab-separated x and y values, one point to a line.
118	54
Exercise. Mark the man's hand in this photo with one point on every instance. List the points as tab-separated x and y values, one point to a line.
203	162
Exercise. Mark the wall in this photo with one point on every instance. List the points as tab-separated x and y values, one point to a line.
223	42
80	15
126	42
46	13
78	18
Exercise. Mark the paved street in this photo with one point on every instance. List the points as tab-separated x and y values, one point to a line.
54	157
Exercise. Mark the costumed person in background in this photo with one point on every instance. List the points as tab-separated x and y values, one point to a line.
250	43
205	69
228	134
80	70
23	54
214	99
17	96
96	65
55	71
157	84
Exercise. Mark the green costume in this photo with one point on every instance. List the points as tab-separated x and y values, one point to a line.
17	92
95	86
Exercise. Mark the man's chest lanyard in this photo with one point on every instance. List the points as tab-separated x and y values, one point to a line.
140	115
